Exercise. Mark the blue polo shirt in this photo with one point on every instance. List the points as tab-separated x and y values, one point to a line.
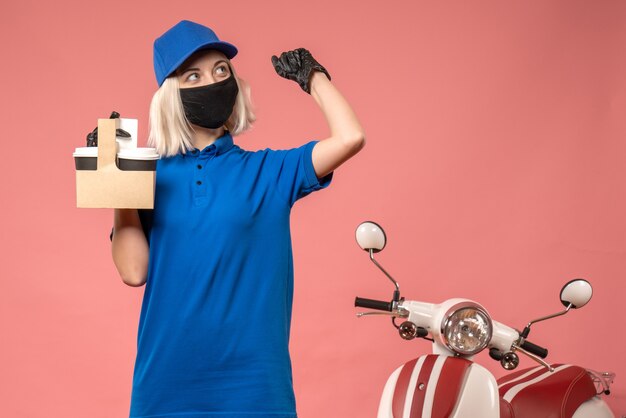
214	326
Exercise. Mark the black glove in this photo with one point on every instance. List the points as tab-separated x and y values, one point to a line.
92	137
298	65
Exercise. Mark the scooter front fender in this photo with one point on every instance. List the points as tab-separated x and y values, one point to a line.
436	386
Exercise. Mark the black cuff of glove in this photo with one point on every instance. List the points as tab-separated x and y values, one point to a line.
307	86
309	66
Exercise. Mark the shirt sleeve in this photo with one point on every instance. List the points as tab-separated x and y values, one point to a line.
296	176
145	216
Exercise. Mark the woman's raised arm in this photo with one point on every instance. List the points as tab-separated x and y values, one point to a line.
346	134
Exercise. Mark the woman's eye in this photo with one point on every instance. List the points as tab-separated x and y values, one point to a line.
222	69
192	77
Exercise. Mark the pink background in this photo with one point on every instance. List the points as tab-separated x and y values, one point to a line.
495	161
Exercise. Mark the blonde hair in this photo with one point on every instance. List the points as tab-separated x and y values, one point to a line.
170	131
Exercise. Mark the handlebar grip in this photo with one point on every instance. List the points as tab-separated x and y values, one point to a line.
535	349
373	304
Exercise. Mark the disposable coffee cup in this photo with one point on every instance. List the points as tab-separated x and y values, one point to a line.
86	158
137	159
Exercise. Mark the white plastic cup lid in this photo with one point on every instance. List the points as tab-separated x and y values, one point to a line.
138	154
138	151
139	157
86	152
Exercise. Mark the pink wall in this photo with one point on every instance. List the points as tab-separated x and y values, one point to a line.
495	161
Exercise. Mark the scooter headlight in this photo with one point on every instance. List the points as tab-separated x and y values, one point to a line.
466	328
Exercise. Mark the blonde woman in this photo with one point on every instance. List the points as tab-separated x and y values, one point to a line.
215	252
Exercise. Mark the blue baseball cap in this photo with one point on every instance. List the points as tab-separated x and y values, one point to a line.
177	44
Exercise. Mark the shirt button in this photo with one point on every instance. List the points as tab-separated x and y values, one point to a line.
198	182
199	166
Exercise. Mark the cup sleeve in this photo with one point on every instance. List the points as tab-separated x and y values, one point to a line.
145	217
295	173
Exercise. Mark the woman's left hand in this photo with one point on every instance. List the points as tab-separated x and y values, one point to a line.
298	65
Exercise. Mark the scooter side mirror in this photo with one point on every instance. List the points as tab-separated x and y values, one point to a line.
371	236
576	293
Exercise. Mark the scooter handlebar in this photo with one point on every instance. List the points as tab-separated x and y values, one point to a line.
373	304
535	349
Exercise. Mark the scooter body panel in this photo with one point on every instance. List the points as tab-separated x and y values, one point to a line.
594	408
479	395
435	386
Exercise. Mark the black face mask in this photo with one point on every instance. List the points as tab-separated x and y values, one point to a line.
210	106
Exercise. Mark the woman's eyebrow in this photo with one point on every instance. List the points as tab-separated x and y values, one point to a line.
198	69
189	69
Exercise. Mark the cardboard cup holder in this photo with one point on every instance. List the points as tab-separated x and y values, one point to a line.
110	178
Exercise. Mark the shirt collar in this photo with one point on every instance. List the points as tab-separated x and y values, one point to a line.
219	147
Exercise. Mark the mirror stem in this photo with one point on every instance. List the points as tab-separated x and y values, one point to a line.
396	293
526	331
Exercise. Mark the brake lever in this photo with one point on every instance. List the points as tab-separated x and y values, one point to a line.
403	313
538	359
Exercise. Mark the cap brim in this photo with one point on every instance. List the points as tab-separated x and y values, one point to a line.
228	49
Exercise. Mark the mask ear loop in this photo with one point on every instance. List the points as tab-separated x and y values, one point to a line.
232	74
